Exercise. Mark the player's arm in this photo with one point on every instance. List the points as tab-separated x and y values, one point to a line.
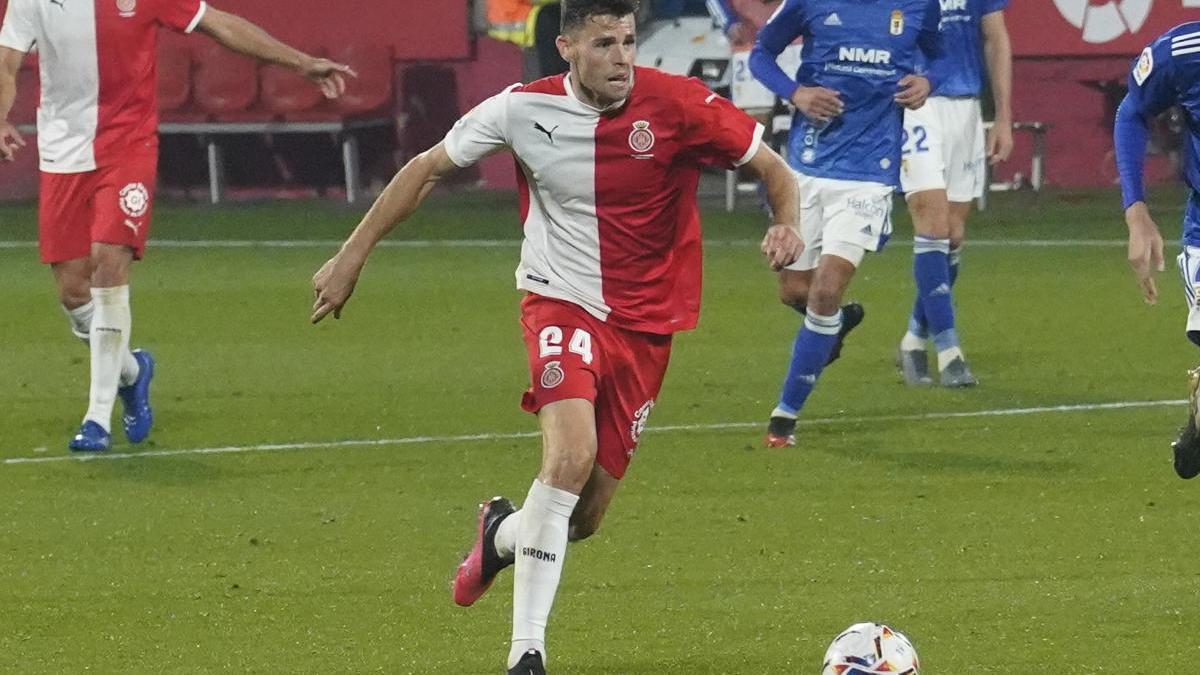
818	103
914	88
10	138
997	53
335	281
726	17
1151	91
244	37
782	244
17	36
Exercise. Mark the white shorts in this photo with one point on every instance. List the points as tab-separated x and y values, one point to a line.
845	218
944	149
1189	268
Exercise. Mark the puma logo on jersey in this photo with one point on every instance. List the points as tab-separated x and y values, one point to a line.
60	4
861	55
549	134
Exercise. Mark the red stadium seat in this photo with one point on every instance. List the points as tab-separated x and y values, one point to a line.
225	83
372	91
24	110
174	76
286	93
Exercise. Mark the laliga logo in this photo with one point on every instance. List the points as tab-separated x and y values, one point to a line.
1106	20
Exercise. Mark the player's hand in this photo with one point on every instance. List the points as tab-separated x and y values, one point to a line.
914	89
1145	249
740	34
330	76
782	246
999	142
818	103
10	141
333	285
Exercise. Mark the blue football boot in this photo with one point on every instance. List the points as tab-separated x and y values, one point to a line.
91	438
138	417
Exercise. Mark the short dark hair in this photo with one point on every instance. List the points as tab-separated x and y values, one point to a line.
576	12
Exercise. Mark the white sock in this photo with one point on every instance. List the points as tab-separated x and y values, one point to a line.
81	326
541	547
109	341
780	412
506	535
912	343
947	355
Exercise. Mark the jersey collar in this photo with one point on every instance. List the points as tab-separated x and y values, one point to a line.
609	108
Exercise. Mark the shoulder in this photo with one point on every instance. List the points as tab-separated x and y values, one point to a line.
654	81
554	85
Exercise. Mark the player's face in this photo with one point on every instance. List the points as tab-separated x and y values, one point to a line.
601	54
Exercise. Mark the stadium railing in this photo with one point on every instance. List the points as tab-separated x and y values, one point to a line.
212	93
1036	176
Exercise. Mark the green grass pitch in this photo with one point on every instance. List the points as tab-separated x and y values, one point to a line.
1040	542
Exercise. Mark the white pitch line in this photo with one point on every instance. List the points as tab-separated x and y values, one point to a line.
411	440
514	243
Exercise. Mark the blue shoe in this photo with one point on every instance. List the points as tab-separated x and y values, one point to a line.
91	438
138	417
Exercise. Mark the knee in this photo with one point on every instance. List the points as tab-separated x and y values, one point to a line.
793	292
569	469
929	221
74	293
792	298
110	266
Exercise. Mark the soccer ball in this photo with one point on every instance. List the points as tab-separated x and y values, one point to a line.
871	649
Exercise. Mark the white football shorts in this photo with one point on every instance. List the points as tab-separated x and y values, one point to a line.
944	149
1189	268
845	218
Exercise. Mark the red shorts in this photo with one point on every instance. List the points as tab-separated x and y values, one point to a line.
575	355
110	205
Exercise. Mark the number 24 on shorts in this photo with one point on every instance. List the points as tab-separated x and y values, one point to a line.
550	342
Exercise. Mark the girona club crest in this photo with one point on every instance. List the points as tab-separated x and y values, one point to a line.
134	199
641	139
552	375
127	7
639	422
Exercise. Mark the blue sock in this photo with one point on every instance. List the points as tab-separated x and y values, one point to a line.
811	350
931	267
918	325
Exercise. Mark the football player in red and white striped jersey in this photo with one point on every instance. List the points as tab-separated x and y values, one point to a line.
610	157
98	148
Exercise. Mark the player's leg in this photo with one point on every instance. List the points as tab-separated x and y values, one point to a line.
853	217
793	292
933	313
812	347
108	335
569	451
1186	447
923	180
123	209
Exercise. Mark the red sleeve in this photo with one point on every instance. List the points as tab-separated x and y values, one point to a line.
181	15
716	131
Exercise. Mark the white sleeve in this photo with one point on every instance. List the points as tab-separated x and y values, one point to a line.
19	31
480	132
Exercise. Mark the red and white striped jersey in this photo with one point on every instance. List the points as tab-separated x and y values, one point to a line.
608	197
99	87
